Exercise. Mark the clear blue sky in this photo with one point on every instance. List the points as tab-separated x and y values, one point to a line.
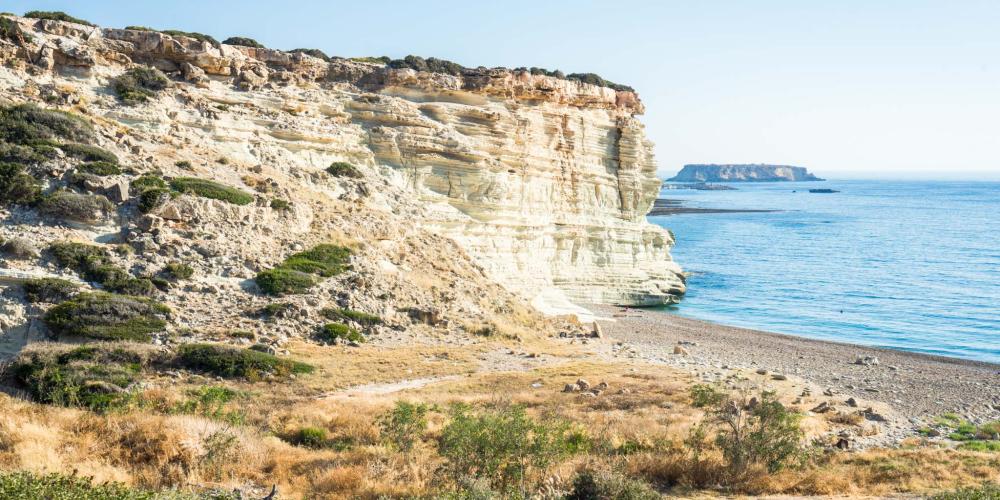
850	89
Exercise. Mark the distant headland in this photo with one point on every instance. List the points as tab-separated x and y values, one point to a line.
756	172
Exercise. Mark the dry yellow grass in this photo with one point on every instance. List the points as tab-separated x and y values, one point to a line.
637	425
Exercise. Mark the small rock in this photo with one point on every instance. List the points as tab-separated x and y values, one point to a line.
853	403
680	350
822	408
761	371
778	376
571	388
602	386
866	361
583	384
597	332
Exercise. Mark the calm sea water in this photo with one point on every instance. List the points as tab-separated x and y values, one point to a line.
903	265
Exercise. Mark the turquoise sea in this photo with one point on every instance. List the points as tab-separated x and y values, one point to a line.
903	265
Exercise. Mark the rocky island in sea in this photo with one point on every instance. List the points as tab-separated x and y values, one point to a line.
756	172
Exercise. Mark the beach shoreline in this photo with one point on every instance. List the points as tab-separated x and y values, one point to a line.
915	385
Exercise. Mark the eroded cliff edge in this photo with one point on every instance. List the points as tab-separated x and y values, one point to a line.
544	182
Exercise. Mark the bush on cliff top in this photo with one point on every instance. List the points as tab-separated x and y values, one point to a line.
209	189
11	31
106	316
201	37
138	84
242	41
312	52
56	16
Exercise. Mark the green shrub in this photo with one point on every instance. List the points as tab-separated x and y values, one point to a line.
232	362
210	402
11	31
593	79
95	376
56	16
78	256
311	437
106	316
26	124
503	445
210	189
325	260
139	28
176	271
275	309
86	152
153	198
333	331
17	187
148	181
85	208
343	169
280	281
32	486
138	84
26	154
404	424
431	64
49	290
988	491
755	430
280	204
295	274
588	485
243	42
201	37
312	52
101	168
183	164
703	395
363	318
373	60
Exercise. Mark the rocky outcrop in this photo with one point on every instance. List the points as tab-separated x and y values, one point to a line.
544	182
742	173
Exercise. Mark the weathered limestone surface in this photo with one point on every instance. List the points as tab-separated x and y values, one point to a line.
544	182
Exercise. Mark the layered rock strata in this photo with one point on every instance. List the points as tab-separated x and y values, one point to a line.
544	182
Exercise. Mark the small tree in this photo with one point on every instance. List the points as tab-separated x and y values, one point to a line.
756	432
403	425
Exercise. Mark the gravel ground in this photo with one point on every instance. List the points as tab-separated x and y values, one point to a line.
916	386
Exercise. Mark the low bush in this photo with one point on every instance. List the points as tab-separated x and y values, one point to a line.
431	64
51	290
311	437
19	248
11	31
100	168
186	165
362	318
97	377
296	273
280	205
332	332
703	395
26	124
32	486
280	281
243	42
78	256
373	60
594	79
589	485
66	205
147	181
89	153
56	16
275	309
177	271
106	316
201	37
138	84
211	402
404	425
312	52
210	189
243	334
502	445
343	169
232	362
16	186
988	491
26	154
153	198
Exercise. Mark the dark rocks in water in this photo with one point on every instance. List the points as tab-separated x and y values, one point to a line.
823	191
700	186
742	173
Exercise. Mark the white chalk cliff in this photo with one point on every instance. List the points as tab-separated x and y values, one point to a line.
545	182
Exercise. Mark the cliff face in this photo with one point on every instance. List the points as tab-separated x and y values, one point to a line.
742	173
544	182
